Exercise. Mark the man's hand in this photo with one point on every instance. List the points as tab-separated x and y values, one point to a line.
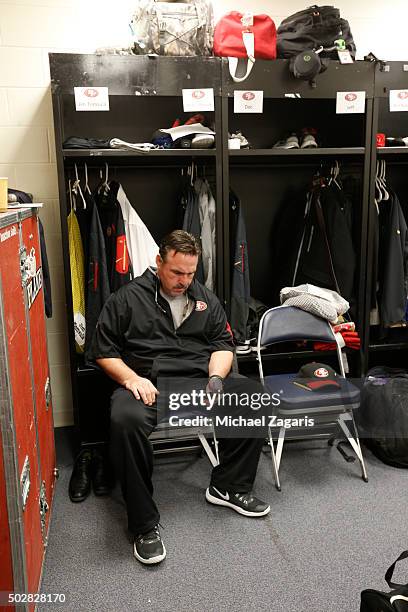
142	388
215	384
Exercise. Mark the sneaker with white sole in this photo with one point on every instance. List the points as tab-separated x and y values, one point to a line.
148	548
291	142
244	143
243	503
309	138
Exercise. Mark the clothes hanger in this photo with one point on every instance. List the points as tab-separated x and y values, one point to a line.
386	195
76	187
72	199
378	192
106	182
104	185
336	179
86	179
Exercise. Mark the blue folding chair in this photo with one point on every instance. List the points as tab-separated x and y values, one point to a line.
288	323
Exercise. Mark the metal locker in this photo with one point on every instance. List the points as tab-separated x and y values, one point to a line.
26	423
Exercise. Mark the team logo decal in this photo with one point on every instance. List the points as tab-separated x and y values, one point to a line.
200	306
321	373
34	283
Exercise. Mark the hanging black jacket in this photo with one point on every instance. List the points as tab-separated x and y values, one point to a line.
113	227
240	282
393	262
136	325
313	265
98	289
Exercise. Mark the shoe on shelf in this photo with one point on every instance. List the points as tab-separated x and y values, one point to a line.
148	548
101	473
203	141
291	142
198	118
244	143
243	503
395	141
80	481
309	138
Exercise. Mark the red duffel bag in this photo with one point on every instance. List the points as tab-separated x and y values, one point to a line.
244	35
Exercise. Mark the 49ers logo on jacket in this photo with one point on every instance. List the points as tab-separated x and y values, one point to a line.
200	306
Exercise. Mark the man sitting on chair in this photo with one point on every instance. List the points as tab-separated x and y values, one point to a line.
164	323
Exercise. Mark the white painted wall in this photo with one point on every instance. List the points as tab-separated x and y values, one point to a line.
29	29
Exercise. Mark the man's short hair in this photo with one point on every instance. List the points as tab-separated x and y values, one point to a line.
180	242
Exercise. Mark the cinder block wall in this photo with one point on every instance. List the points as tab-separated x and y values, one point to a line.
30	29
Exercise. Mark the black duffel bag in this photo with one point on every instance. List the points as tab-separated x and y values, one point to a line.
378	601
312	28
383	415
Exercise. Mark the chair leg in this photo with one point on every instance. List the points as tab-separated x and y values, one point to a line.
215	445
275	463
354	441
213	459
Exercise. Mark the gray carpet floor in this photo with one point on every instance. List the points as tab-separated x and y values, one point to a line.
329	535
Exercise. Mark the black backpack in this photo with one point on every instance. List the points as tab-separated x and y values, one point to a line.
378	601
314	27
383	415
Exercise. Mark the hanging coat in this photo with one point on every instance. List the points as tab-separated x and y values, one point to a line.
393	262
206	207
313	262
98	288
117	256
191	223
240	282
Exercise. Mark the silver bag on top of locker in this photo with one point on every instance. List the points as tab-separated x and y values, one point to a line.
173	28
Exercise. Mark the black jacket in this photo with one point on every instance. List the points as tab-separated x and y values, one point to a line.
240	280
136	325
314	263
393	262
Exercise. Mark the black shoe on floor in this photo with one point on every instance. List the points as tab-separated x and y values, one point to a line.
80	481
101	473
148	548
244	503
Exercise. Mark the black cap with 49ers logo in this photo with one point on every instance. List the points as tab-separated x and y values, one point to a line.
316	376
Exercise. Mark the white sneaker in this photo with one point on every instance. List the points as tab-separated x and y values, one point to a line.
308	142
292	142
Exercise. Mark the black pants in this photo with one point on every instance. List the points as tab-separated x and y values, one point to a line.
132	454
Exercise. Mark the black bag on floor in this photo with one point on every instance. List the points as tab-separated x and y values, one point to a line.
383	415
378	601
314	27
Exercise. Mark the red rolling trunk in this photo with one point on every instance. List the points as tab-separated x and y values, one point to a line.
26	423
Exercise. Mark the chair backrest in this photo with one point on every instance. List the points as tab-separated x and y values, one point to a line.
288	323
